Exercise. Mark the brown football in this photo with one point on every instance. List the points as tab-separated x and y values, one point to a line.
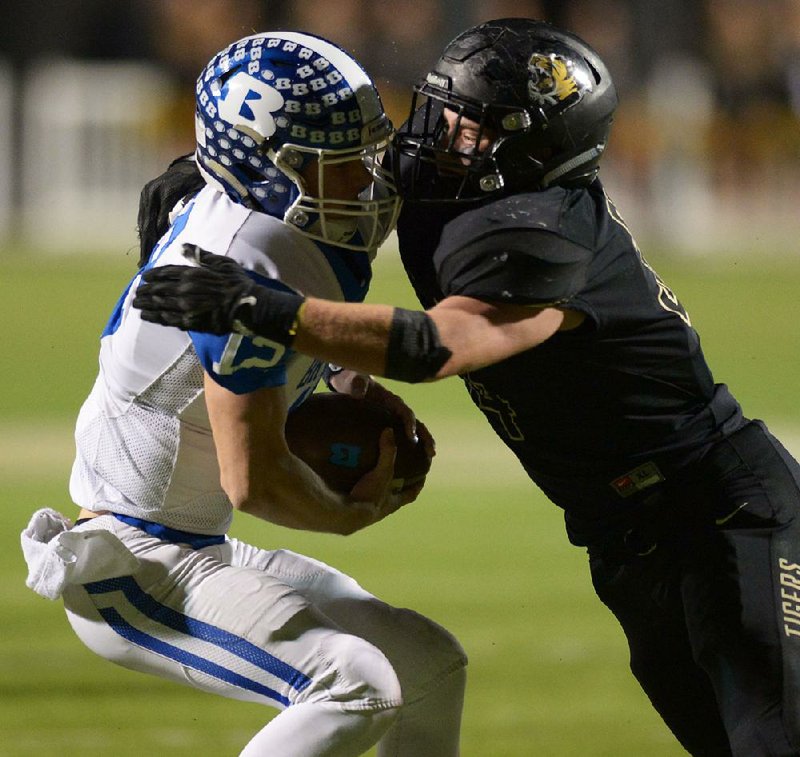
337	436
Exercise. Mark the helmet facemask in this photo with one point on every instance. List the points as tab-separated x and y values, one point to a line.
361	221
441	168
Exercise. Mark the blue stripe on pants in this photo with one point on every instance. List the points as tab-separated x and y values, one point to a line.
134	635
198	629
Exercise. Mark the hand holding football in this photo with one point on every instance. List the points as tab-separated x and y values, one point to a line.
337	435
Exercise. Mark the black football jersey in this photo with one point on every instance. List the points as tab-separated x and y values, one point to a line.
600	414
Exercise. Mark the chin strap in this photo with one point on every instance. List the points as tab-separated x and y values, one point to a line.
570	165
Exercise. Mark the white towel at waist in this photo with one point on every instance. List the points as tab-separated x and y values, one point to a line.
57	556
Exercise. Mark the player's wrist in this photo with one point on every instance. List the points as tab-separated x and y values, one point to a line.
269	314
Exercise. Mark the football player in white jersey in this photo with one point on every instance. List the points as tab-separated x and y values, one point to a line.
180	428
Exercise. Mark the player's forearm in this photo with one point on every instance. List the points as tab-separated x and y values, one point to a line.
288	493
376	339
478	333
259	473
352	335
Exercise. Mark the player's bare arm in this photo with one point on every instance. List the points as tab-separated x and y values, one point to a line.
476	333
479	333
262	477
354	336
218	296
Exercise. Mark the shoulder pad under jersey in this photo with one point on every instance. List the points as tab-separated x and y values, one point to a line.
532	248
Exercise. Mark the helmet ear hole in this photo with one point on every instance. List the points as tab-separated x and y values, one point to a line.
520	162
250	173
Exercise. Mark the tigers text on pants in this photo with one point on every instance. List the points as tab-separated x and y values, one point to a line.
712	610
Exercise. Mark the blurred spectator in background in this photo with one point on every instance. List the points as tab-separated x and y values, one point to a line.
751	50
610	26
395	40
792	35
344	21
184	35
745	52
32	29
408	38
709	90
486	10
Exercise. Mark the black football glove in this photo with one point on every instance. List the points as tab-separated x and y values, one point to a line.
217	297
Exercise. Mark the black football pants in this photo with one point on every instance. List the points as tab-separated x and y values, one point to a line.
712	610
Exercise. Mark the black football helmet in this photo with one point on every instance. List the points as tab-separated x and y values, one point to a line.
542	95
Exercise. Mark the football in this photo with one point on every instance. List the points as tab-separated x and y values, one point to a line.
337	436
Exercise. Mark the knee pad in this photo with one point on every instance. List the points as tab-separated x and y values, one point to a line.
428	655
353	673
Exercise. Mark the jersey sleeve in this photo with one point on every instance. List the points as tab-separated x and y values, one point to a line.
274	255
241	363
518	266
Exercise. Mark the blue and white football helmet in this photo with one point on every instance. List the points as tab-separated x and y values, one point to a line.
270	104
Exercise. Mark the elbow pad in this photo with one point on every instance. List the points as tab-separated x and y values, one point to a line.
415	352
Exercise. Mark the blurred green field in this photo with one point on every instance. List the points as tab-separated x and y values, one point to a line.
482	552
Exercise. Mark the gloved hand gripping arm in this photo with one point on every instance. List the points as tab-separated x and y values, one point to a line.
217	296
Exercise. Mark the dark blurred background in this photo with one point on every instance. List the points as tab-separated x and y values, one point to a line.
97	95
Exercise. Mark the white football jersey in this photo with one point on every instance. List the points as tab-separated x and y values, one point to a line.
144	443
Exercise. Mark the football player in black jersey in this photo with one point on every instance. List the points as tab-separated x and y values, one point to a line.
585	364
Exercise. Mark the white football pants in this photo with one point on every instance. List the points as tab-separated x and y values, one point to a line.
346	670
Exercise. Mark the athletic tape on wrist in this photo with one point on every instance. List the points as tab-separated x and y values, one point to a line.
415	352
